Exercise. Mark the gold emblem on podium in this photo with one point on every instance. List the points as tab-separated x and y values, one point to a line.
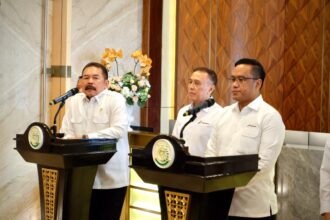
163	153
36	137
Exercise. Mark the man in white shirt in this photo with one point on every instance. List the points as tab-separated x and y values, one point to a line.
325	183
99	113
250	126
201	85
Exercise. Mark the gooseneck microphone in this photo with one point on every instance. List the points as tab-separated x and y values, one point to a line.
207	103
65	96
61	99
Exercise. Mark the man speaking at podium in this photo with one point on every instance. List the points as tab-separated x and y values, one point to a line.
97	112
201	85
250	126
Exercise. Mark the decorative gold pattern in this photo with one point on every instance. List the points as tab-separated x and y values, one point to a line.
177	205
49	182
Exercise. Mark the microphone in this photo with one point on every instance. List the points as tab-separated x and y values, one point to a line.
65	96
207	103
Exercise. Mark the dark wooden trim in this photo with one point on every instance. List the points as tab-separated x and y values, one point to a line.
152	45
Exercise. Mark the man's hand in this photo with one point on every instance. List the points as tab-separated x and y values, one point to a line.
327	216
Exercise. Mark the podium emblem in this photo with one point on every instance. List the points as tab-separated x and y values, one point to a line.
36	137
163	153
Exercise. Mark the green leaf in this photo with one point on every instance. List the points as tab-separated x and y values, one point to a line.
129	101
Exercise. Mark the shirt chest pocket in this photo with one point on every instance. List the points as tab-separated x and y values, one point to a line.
250	140
76	119
205	123
77	124
201	129
101	120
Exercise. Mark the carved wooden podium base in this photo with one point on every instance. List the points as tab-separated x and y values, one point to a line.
65	193
183	205
189	187
66	169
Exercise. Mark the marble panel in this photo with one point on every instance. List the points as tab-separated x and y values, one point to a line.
95	25
115	24
100	24
298	179
19	191
20	68
24	19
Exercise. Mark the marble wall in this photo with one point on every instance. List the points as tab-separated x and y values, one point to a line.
103	23
298	179
95	25
20	71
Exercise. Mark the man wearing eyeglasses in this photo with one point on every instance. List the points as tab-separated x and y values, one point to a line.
250	126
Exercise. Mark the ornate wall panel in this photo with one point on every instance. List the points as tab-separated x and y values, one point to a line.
193	34
290	38
223	51
303	66
325	102
251	29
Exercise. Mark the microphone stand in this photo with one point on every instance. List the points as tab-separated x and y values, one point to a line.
194	116
54	127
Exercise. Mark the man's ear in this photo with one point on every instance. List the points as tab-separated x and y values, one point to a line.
107	83
212	88
259	83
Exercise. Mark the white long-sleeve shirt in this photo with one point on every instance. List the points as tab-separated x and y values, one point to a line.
257	129
103	116
325	180
198	132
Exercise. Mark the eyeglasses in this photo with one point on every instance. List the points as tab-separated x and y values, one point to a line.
240	79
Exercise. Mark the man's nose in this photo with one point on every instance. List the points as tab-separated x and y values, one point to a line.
235	83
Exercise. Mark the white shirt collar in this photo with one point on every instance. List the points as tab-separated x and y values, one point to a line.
254	105
204	109
97	98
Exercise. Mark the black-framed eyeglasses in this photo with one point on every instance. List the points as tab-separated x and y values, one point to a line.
240	79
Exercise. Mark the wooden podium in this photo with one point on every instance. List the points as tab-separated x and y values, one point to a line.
66	169
192	187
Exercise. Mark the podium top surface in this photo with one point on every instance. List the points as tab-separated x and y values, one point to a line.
165	161
38	145
83	145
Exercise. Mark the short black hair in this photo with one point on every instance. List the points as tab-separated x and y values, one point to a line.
97	65
211	73
257	69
